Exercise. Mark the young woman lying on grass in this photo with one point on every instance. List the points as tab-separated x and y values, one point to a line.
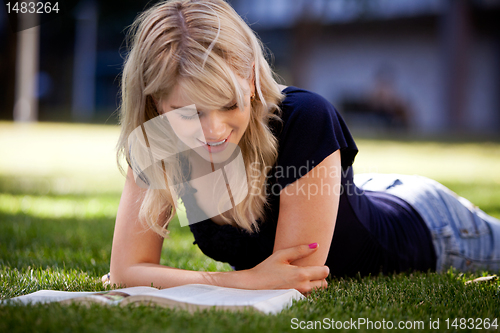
264	171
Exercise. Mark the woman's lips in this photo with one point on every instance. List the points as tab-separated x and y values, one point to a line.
216	147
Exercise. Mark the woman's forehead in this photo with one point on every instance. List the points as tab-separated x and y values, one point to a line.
204	95
179	98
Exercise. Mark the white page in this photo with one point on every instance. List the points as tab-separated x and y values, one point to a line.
46	296
194	293
213	295
136	290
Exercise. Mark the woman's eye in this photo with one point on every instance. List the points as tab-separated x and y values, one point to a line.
193	116
232	107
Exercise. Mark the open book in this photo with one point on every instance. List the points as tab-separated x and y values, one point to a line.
190	297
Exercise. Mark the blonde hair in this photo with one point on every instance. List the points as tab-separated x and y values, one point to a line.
202	45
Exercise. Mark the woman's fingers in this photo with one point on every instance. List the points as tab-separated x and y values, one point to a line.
315	276
277	272
310	277
318	272
322	284
297	252
318	284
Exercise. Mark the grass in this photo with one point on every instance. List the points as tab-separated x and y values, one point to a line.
59	192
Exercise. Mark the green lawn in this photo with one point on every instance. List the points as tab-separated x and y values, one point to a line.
59	192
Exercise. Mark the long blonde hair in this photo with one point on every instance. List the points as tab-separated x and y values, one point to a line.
204	43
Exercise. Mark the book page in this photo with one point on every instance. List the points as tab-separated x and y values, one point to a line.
136	290
109	296
276	304
213	295
47	296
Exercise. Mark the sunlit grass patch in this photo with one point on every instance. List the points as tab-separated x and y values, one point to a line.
60	190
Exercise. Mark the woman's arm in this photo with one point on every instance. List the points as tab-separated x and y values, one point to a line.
308	210
135	258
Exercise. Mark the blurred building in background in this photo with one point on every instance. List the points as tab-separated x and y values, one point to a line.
81	55
428	66
425	67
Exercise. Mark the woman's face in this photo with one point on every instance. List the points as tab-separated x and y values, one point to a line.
213	134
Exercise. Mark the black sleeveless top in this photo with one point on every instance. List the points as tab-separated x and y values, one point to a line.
375	232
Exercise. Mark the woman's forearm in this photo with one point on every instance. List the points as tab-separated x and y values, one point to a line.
160	276
275	272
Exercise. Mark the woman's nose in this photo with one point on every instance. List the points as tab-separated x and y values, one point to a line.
214	126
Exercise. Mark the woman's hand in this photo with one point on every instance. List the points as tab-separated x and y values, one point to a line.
276	272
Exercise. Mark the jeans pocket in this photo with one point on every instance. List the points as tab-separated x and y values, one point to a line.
442	231
473	226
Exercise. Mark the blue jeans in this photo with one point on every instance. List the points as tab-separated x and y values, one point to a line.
463	235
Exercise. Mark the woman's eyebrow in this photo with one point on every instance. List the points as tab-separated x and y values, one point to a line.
182	108
174	107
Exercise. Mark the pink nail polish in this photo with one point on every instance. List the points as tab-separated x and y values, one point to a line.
313	245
